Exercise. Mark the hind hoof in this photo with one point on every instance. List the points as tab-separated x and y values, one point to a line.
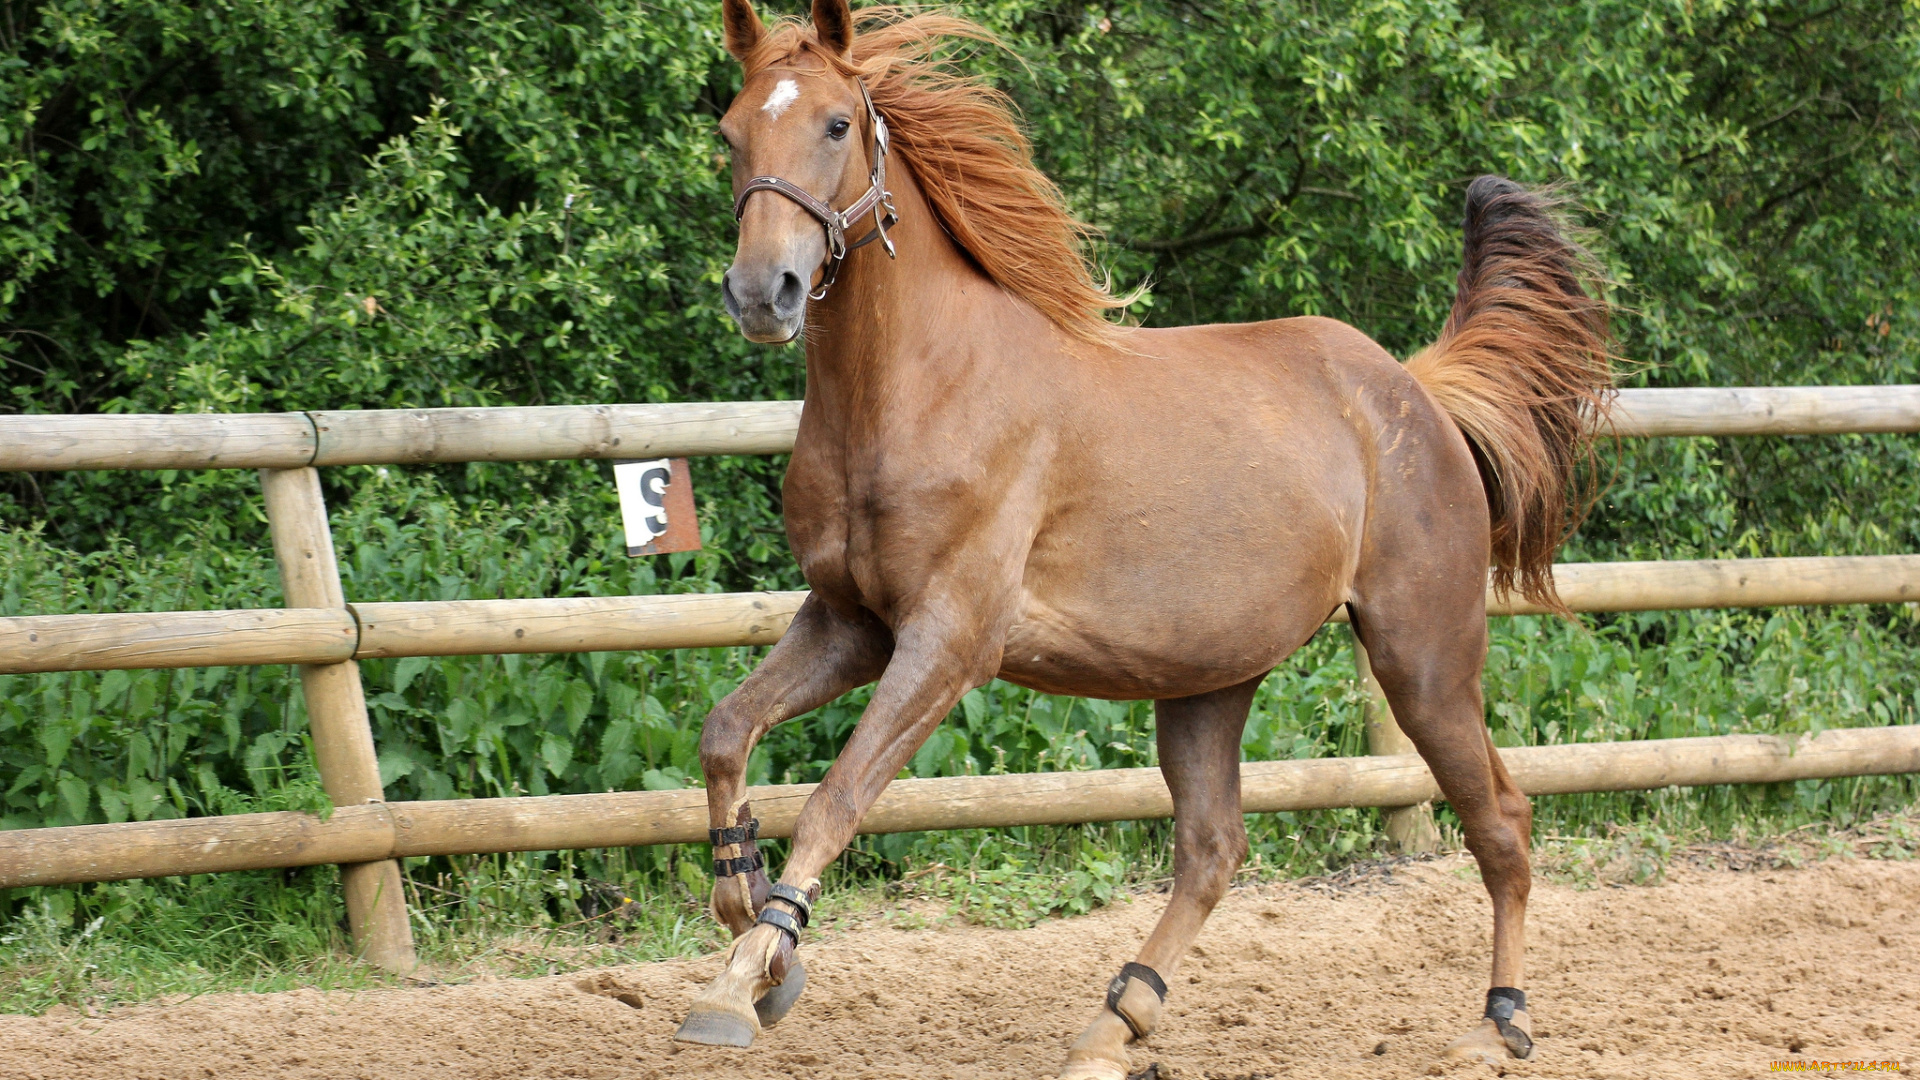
1486	1045
715	1028
775	1003
1090	1069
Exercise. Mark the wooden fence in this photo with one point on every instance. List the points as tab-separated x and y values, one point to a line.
324	635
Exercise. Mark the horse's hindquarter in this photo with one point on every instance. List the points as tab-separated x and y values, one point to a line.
1205	510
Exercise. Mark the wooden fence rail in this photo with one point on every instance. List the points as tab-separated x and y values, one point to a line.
30	643
396	436
370	833
555	432
325	636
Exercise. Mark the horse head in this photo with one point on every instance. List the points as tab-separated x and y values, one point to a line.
809	167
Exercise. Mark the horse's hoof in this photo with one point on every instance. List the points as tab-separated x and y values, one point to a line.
716	1028
773	1004
1484	1044
1089	1067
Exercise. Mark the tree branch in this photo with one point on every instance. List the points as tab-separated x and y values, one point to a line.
1261	226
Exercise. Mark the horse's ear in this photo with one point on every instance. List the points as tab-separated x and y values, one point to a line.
743	27
833	25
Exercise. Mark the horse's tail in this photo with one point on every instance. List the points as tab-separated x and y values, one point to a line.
1524	368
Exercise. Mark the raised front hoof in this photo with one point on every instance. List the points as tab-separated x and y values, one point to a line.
775	1003
714	1027
1486	1044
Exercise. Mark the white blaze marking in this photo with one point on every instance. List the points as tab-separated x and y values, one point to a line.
783	95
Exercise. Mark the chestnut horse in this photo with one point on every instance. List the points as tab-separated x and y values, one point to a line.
993	480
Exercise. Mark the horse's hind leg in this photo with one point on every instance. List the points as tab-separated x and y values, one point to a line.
1428	648
1199	740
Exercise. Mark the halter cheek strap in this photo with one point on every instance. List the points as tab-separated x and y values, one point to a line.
877	201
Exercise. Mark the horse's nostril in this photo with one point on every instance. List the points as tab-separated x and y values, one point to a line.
727	298
792	292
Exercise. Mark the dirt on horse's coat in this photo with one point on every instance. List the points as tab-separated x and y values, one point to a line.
992	480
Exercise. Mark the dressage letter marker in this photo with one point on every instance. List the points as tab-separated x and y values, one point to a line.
656	506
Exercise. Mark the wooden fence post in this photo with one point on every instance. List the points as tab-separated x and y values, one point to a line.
337	713
1410	829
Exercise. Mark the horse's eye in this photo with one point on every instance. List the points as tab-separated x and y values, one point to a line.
838	129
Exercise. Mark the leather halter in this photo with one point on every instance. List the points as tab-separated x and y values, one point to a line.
877	200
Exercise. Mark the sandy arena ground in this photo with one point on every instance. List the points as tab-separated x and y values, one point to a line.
1713	974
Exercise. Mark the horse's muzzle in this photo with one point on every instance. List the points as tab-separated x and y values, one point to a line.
769	305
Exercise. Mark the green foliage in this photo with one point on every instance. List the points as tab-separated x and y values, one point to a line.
1000	888
295	204
270	930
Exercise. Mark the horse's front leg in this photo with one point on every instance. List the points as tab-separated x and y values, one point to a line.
822	655
932	665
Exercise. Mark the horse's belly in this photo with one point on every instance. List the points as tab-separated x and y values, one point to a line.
1165	646
1208	579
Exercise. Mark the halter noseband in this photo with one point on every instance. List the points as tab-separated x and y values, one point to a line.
878	201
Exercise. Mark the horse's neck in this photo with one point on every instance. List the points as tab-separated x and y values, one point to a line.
890	324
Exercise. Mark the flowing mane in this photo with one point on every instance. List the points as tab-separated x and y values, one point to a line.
964	146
